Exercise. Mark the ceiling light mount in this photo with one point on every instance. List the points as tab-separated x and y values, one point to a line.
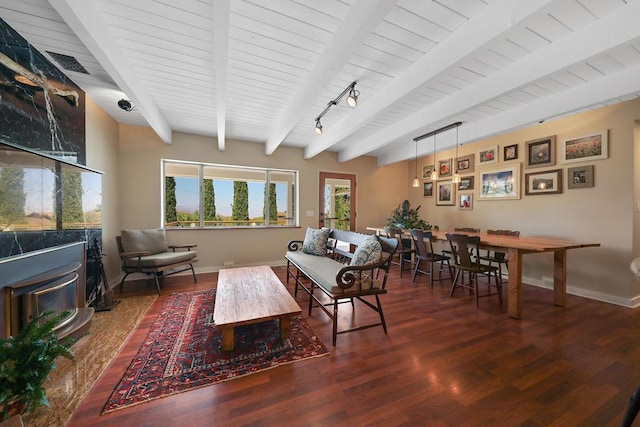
352	101
126	105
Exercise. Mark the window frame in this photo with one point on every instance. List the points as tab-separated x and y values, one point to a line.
268	222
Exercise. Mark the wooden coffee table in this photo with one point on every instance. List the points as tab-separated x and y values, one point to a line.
251	295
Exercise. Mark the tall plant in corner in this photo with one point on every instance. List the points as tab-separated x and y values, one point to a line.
403	216
26	361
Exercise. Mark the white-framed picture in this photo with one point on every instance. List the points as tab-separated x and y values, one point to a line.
586	148
499	183
488	155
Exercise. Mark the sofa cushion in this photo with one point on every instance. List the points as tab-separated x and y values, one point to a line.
161	259
153	241
315	241
367	252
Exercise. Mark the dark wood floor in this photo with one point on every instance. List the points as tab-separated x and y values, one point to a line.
443	363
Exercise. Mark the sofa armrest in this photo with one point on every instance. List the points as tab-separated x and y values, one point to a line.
295	245
186	246
347	276
134	254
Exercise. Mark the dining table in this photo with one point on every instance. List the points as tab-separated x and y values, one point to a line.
515	247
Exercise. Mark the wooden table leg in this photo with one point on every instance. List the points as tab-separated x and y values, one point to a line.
514	296
227	339
560	277
285	327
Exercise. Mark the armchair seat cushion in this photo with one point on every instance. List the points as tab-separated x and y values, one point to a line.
160	259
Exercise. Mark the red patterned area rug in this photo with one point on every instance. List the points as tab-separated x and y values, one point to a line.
183	351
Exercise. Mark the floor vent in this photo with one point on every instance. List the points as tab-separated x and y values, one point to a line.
68	62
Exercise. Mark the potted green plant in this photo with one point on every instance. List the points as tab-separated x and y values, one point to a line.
26	361
405	217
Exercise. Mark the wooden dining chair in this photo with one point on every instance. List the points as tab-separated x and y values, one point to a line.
423	244
462	246
404	252
497	257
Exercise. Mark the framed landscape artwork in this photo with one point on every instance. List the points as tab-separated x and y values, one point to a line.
541	152
488	156
548	182
466	183
426	171
465	164
445	193
580	177
510	152
445	167
427	189
585	148
499	183
465	201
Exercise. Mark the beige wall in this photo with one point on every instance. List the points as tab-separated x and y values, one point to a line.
130	157
602	214
102	154
140	154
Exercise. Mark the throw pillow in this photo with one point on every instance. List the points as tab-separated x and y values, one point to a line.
368	252
315	241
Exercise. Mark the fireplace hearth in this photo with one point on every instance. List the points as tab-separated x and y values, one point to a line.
52	279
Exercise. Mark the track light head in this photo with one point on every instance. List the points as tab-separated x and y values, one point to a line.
318	127
352	99
126	105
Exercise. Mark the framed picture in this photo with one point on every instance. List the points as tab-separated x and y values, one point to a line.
445	193
488	156
510	152
541	152
580	177
427	189
499	183
465	164
427	170
445	167
465	201
466	183
586	148
547	182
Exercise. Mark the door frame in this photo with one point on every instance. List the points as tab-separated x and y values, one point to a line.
323	176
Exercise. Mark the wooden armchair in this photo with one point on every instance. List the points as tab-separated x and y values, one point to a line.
147	251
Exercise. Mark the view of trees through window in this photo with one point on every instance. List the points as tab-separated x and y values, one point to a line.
208	195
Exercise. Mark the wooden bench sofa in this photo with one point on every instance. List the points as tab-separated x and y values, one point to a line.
340	274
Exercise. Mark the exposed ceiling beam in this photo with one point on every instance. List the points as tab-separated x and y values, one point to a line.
363	17
468	38
594	94
84	20
620	28
221	9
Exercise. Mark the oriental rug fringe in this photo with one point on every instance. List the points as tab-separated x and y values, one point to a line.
182	351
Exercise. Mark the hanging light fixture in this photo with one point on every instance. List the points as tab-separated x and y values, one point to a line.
434	172
416	181
456	176
352	101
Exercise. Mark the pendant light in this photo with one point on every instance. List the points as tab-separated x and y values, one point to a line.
456	176
416	181
434	172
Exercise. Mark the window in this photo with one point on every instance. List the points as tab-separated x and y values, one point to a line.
216	196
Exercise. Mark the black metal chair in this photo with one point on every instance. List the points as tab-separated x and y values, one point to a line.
632	408
423	244
462	246
404	253
497	257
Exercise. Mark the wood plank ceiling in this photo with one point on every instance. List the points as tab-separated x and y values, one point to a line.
264	70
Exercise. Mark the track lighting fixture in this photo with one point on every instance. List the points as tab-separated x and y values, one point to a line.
352	101
126	105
